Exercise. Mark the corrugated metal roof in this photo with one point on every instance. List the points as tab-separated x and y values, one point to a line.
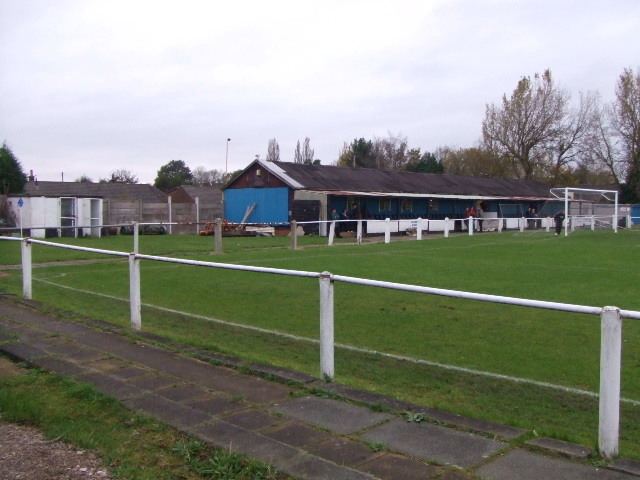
115	191
332	178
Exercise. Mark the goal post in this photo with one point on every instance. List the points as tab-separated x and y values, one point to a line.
588	206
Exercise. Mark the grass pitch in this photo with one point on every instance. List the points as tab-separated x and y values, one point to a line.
590	268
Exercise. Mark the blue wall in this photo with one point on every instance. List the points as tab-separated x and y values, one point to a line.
272	204
635	212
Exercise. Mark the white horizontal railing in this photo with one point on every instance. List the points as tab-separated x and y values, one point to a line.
611	317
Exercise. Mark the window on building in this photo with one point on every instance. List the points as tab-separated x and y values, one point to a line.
406	206
384	205
434	205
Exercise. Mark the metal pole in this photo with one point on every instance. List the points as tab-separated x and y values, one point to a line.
197	215
170	221
332	232
387	230
136	237
217	233
419	229
326	327
226	158
566	212
610	354
294	234
134	292
615	215
20	211
26	269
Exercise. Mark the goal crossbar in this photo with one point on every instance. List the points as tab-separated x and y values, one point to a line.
563	193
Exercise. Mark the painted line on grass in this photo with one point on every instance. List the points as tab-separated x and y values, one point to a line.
352	348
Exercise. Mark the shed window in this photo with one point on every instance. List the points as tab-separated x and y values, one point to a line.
406	206
434	204
384	204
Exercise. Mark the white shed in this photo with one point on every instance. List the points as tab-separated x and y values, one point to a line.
57	216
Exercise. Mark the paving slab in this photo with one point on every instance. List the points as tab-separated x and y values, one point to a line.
110	386
180	393
218	405
342	451
392	467
299	434
255	389
22	351
254	420
314	468
129	372
282	373
434	443
175	414
154	381
626	465
561	447
334	415
525	465
504	431
61	367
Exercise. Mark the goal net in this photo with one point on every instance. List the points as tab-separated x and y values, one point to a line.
587	208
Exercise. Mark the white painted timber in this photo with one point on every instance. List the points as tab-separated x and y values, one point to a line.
326	326
419	229
610	363
387	230
134	292
26	269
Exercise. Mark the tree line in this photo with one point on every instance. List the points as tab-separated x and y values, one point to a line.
535	133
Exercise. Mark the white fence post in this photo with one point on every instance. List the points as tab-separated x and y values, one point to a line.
593	223
294	234
326	326
170	216
446	227
573	223
332	232
548	223
134	292
610	351
217	233
500	224
521	224
628	222
470	225
359	233
197	215
136	237
419	229
387	230
26	269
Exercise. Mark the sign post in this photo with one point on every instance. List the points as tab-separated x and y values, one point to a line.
20	205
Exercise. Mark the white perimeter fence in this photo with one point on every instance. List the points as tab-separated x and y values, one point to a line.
610	319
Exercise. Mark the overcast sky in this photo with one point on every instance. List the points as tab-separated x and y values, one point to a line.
87	87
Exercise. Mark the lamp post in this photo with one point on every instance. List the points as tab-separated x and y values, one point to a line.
226	158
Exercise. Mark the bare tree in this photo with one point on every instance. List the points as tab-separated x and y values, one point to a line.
204	177
391	152
474	161
307	151
522	128
273	151
120	176
297	154
626	124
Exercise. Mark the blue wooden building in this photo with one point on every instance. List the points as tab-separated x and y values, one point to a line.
277	192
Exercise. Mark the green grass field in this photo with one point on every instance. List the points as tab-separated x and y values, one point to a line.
590	268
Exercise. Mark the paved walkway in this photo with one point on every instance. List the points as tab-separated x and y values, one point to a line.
288	423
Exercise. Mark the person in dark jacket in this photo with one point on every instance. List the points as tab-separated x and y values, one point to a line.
559	219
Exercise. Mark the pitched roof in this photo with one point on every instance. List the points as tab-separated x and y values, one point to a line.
115	191
204	193
332	178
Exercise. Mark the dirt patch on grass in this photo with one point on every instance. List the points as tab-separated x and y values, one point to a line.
26	454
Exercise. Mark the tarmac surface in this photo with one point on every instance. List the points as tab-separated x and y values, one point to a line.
301	425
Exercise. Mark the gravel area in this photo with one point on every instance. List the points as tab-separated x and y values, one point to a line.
26	454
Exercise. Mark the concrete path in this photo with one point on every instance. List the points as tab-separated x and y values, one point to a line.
334	435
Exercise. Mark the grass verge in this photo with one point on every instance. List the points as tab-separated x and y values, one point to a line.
133	446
